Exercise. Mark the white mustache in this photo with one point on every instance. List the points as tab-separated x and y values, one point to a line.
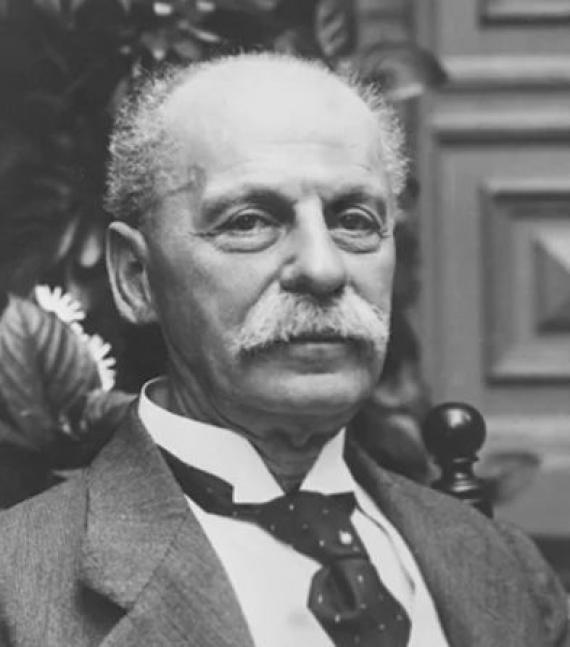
283	316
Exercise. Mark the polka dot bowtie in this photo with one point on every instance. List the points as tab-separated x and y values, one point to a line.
346	595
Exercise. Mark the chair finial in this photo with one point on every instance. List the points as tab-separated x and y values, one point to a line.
453	433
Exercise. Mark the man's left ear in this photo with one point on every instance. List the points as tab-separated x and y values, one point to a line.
127	257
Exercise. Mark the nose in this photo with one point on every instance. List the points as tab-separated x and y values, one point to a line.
314	264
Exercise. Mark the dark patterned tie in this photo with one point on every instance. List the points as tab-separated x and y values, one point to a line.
346	596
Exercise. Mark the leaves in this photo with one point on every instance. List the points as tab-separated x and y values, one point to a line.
250	6
105	409
402	70
335	29
51	6
45	375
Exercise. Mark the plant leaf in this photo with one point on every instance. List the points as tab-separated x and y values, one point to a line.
250	6
187	49
104	409
201	35
46	371
75	5
50	6
335	29
402	70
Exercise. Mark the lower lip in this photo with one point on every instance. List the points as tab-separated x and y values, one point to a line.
316	348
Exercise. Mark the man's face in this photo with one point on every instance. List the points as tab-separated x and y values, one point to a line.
293	205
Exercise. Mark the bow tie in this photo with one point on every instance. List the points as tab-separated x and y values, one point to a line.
346	595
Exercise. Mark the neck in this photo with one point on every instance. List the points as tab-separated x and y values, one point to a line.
289	448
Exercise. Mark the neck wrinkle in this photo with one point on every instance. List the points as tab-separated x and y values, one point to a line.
288	465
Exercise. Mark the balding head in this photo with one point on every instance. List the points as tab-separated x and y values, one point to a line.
266	255
163	134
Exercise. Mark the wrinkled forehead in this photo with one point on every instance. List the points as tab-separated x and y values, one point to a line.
219	117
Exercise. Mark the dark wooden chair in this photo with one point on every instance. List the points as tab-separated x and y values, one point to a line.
453	434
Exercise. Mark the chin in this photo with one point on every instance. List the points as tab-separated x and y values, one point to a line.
316	395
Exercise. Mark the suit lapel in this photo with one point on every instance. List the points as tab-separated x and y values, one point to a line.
474	580
145	551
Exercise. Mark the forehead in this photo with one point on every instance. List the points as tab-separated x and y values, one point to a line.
254	122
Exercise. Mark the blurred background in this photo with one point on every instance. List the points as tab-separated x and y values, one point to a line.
482	295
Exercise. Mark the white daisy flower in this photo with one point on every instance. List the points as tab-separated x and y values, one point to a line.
69	311
100	351
62	304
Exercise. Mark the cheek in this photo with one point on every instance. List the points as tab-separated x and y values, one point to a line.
204	291
373	274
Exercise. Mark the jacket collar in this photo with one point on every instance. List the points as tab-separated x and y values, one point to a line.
144	550
476	582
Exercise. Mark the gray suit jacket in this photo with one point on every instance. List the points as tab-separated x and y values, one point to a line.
114	557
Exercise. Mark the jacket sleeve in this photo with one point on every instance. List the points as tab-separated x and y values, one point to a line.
551	599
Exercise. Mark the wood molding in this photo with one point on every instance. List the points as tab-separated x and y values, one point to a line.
548	434
499	73
390	6
538	188
517	369
502	126
378	14
524	12
531	212
378	9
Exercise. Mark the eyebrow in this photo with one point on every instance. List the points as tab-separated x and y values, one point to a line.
359	195
214	205
358	190
273	196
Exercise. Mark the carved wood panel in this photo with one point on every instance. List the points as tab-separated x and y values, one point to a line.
381	20
524	12
508	27
494	159
526	230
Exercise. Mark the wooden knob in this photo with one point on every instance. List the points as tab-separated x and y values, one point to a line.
453	433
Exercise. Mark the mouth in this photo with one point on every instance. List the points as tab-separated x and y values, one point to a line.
318	338
311	343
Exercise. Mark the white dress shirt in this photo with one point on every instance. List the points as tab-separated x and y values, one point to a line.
270	579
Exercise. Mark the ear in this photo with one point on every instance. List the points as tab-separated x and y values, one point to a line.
127	258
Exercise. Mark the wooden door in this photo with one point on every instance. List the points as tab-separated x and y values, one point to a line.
494	159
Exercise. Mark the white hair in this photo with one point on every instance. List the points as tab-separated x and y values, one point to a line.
142	144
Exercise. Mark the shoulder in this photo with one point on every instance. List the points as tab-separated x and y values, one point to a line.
547	591
47	509
41	530
513	552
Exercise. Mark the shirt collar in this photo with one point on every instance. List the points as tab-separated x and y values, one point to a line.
231	457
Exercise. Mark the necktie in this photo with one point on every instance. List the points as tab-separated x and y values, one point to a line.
346	595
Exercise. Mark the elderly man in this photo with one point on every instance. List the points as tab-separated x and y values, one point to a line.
254	199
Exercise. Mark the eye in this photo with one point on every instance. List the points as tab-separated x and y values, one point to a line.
358	219
246	229
248	221
358	228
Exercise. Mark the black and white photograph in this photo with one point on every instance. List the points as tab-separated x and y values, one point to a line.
285	323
